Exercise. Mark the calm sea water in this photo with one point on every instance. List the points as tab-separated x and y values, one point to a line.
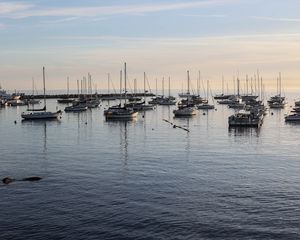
145	180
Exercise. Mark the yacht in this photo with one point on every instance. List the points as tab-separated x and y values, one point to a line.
36	114
33	101
188	109
15	103
297	103
185	111
206	106
141	106
252	118
4	95
277	101
293	118
119	112
76	108
66	99
278	104
166	101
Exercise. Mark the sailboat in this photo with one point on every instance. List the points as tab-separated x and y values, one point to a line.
222	96
66	100
108	96
35	114
206	105
167	101
119	112
141	106
188	109
32	101
277	101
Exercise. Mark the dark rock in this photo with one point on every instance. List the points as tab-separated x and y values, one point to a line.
7	180
31	179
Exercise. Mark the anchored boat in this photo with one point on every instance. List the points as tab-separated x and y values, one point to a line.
36	114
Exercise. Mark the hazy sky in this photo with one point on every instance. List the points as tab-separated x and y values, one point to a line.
163	38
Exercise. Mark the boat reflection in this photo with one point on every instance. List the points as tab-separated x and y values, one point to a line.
123	125
293	123
244	131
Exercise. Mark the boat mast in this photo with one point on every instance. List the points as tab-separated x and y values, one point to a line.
222	84
188	82
134	87
198	83
44	85
91	85
169	87
78	87
258	85
68	86
32	86
121	87
163	86
144	87
207	83
261	89
238	87
108	83
280	84
247	84
125	86
233	85
277	82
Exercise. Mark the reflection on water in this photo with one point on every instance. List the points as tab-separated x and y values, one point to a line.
293	124
124	141
243	131
144	179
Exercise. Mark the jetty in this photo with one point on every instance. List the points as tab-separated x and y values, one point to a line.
100	96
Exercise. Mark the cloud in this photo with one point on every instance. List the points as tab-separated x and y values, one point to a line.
204	15
279	19
214	56
189	41
23	10
10	7
2	26
62	20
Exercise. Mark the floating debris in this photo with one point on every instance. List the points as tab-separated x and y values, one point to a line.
176	126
